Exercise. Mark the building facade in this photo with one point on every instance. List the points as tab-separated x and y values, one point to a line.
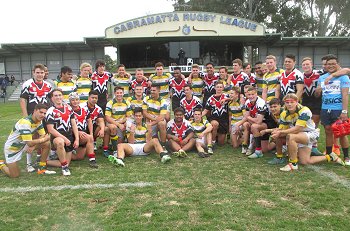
173	38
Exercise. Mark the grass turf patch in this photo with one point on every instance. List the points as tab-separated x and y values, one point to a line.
224	192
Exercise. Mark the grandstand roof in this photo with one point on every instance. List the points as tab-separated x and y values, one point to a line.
10	49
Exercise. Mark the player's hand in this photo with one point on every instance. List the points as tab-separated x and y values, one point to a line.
242	100
177	139
46	138
30	149
343	116
275	134
66	141
132	128
184	142
263	132
76	143
101	133
326	81
200	135
82	135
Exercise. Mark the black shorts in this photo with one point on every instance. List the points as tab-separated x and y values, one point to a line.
71	138
314	106
223	124
175	103
102	102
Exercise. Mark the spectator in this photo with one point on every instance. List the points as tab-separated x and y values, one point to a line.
13	79
7	79
3	87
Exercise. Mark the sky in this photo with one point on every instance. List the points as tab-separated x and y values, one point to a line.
34	21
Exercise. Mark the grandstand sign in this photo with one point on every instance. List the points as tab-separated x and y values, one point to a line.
185	24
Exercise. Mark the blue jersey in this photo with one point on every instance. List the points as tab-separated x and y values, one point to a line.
331	93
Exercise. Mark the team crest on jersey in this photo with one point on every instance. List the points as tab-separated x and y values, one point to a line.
310	83
218	109
186	30
61	117
288	83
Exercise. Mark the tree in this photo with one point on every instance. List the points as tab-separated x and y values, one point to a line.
330	17
290	17
111	65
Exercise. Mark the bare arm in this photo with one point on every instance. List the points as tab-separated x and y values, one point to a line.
318	91
258	120
148	116
111	120
90	127
264	94
344	71
23	105
40	140
294	130
300	91
345	101
75	132
190	136
205	112
278	91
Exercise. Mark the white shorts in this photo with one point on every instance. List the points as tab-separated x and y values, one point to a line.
138	149
312	138
202	140
233	126
12	157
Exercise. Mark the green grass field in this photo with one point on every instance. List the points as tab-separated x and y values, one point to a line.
224	192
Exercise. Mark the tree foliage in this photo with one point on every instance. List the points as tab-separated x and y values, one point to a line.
330	17
111	65
290	17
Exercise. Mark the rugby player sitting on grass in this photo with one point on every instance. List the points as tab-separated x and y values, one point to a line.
180	134
297	127
202	129
21	140
85	130
140	141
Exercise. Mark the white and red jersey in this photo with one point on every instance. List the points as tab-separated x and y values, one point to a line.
177	88
181	131
100	82
95	112
209	82
81	116
35	93
310	83
288	81
252	79
143	83
60	117
240	80
257	107
217	109
190	105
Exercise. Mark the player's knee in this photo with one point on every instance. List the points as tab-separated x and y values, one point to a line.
161	124
59	142
46	144
214	123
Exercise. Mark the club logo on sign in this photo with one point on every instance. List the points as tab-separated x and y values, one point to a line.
186	30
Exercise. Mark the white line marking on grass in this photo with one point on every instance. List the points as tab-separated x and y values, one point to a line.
9	120
74	187
331	175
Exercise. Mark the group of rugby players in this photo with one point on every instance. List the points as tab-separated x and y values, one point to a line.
270	109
